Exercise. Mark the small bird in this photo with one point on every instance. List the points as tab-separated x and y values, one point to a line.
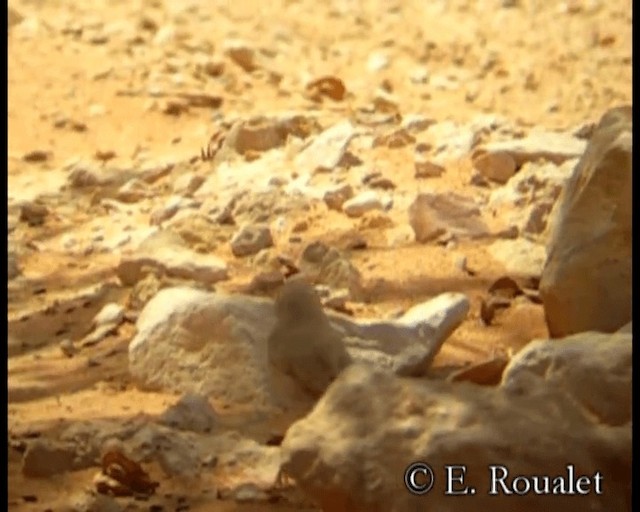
303	343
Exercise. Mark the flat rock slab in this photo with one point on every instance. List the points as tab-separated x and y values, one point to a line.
164	252
327	149
550	146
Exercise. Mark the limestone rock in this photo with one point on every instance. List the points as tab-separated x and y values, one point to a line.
197	342
351	452
362	203
110	314
528	198
549	146
432	215
166	253
407	345
593	369
452	140
251	239
192	341
93	502
326	151
592	236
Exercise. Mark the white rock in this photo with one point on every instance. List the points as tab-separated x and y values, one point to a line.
550	146
370	426
192	341
362	203
110	314
327	149
432	215
593	369
211	344
453	140
377	61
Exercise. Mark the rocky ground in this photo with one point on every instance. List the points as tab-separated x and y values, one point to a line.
171	163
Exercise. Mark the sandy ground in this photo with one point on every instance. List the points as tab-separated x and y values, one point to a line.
72	64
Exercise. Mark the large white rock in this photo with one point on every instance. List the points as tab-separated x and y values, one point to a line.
327	149
351	452
586	282
432	215
592	369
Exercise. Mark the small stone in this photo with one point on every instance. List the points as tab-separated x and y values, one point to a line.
425	168
166	212
433	215
550	146
174	107
34	214
256	135
133	191
37	156
337	300
497	166
96	110
94	502
248	493
381	182
363	202
82	175
419	75
105	155
336	197
111	313
377	62
241	54
398	138
68	348
328	149
250	239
